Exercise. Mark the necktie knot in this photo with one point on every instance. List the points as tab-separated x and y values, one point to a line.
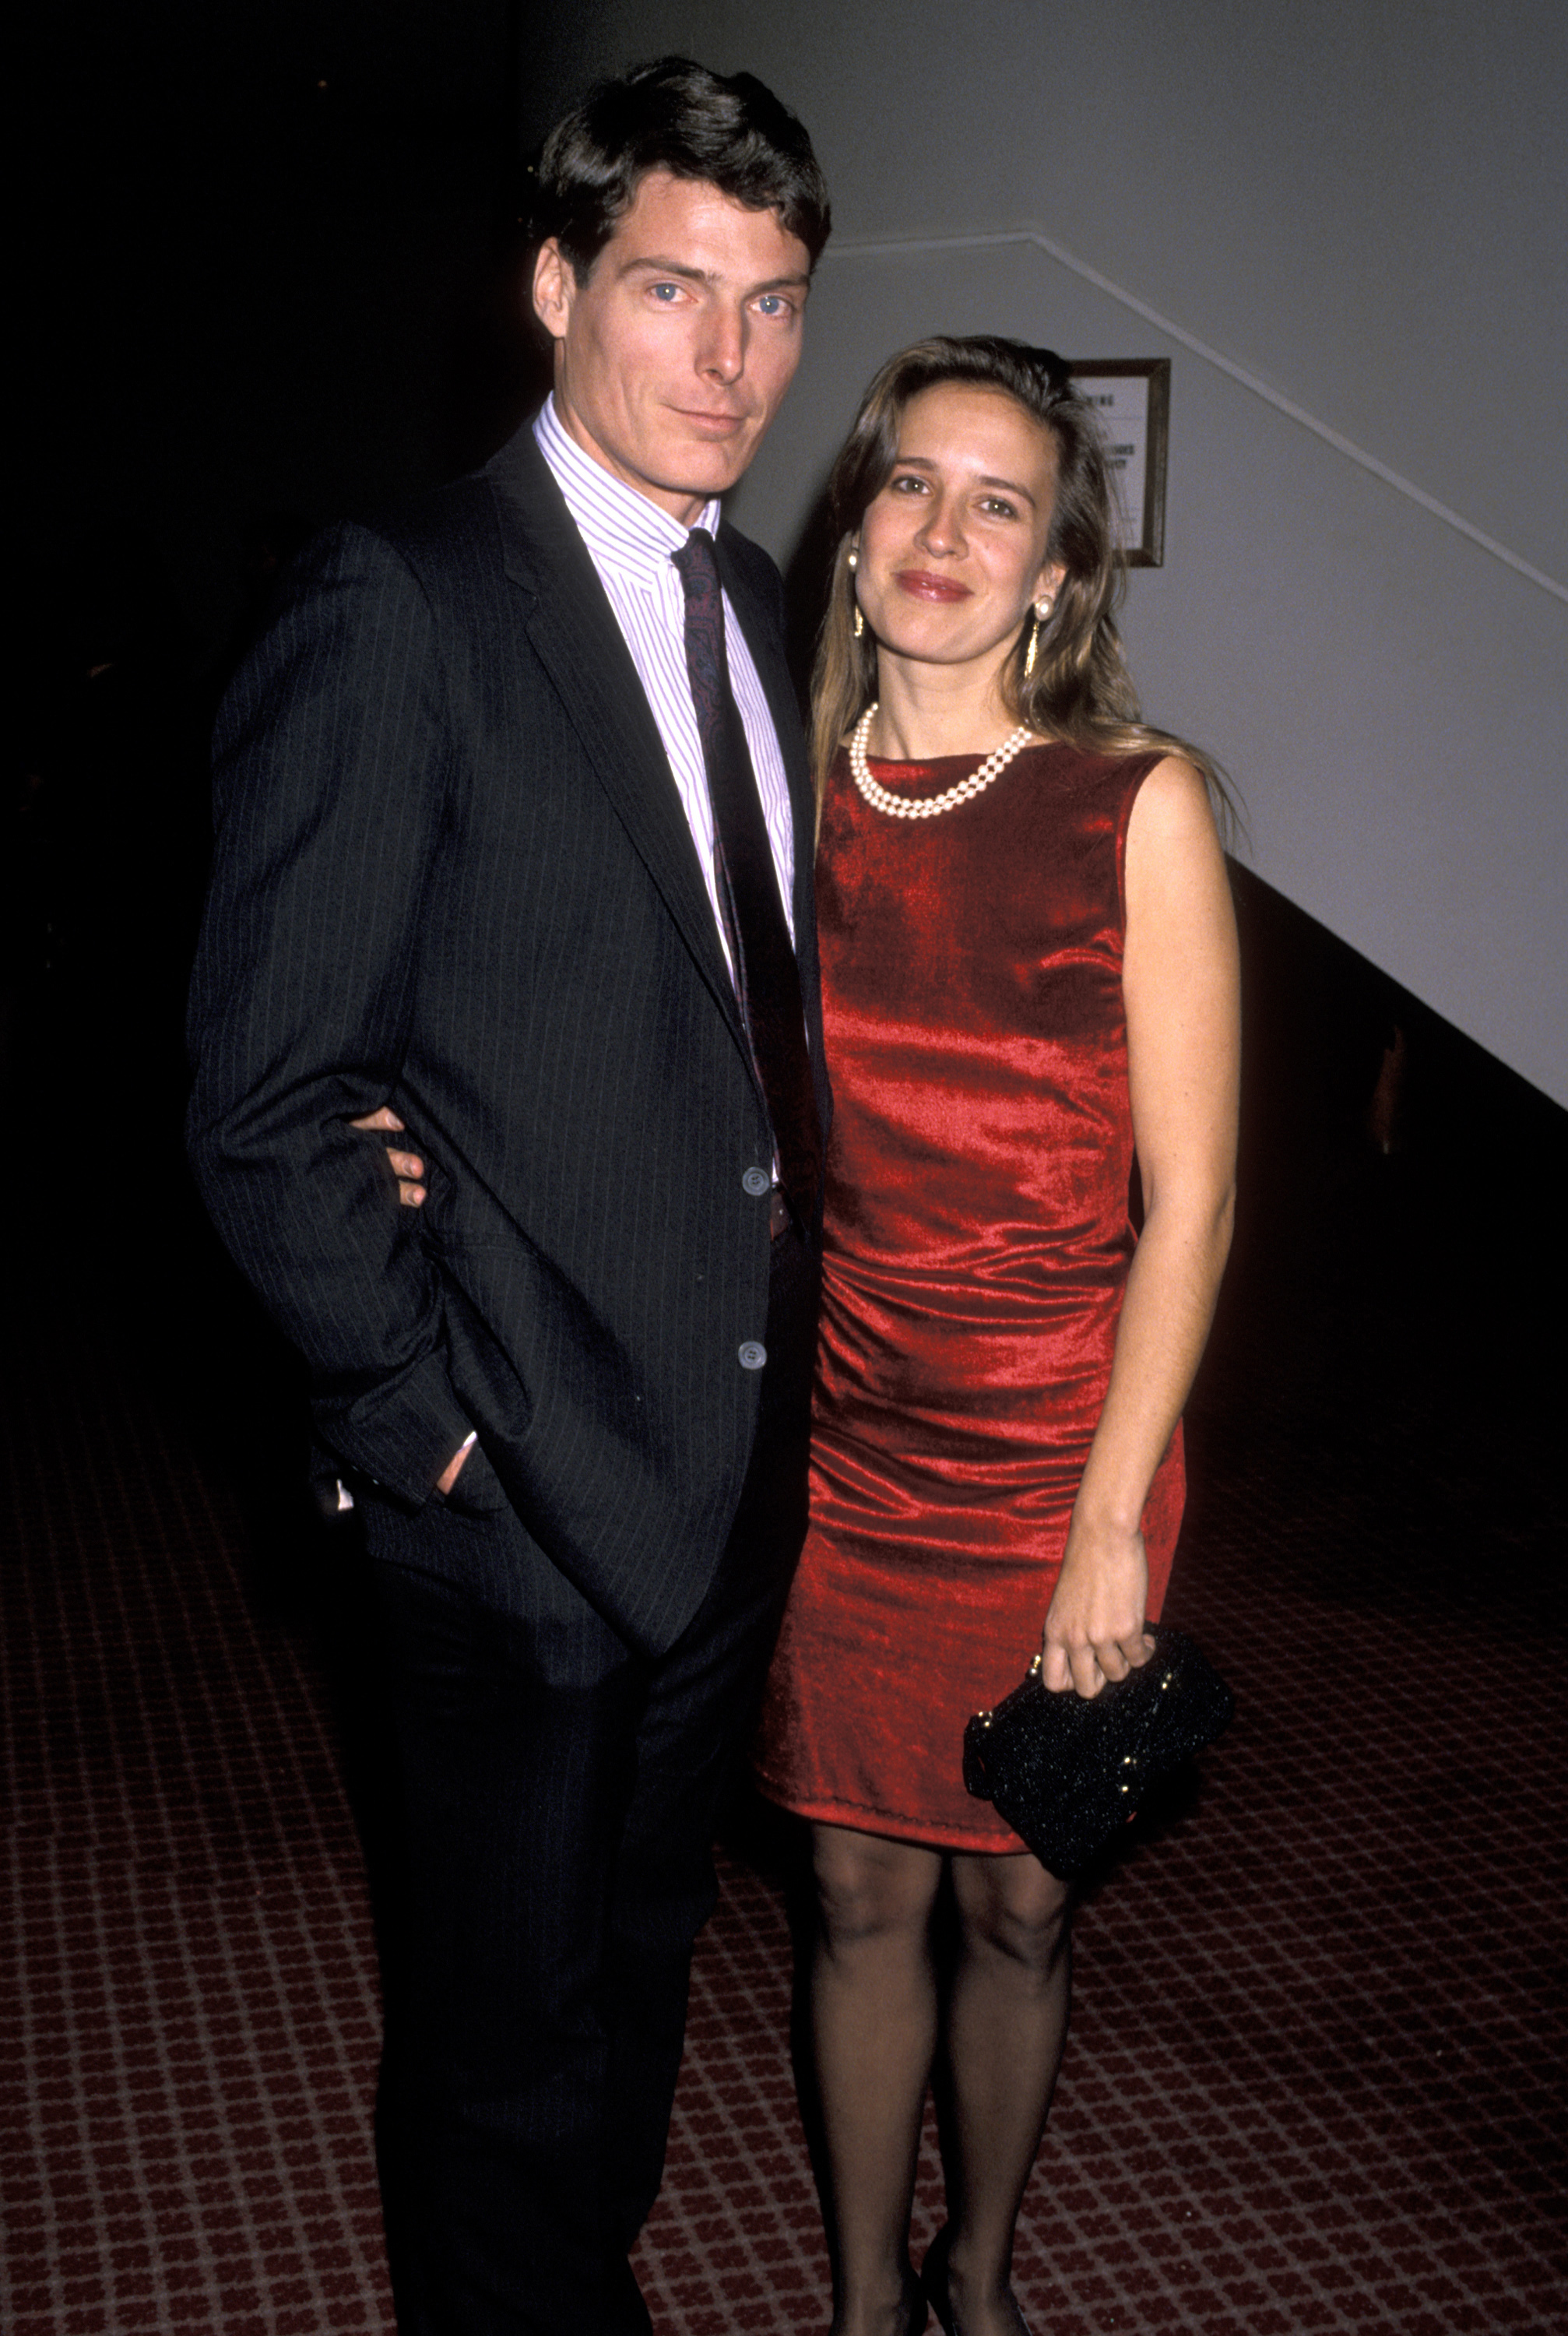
697	565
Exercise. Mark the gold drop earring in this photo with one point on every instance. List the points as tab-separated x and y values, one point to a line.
1037	616
853	562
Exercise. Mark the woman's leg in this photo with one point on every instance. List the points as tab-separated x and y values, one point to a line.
873	2028
1007	2025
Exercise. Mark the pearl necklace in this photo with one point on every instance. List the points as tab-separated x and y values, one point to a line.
903	807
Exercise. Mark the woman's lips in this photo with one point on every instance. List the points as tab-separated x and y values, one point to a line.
922	585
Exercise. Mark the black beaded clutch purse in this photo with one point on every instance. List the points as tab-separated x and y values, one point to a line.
1065	1770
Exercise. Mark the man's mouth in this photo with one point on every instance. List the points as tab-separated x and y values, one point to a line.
712	425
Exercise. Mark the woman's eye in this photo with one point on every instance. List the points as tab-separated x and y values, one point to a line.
909	482
997	507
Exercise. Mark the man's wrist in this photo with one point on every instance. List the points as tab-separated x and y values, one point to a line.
450	1474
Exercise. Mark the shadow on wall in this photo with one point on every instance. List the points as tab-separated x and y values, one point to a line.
807	574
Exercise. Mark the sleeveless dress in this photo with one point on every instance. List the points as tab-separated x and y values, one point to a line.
976	1246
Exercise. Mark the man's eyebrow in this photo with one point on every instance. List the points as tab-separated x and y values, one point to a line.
983	478
666	267
705	275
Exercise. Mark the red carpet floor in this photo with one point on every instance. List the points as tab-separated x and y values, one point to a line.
1315	2076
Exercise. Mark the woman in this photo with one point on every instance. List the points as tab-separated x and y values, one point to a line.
1029	976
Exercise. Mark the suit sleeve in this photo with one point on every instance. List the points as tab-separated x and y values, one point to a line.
331	768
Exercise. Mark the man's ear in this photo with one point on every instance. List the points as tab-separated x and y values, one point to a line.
554	283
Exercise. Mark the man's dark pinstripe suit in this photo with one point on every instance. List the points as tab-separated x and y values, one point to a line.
452	875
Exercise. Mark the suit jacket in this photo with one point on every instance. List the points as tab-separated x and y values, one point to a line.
453	874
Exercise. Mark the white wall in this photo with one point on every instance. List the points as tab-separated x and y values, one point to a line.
1356	208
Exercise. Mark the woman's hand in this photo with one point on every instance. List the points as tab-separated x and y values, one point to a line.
1095	1625
406	1166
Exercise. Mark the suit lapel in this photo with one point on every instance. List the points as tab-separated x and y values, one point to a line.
574	632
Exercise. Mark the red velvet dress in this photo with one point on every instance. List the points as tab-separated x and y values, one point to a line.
977	1247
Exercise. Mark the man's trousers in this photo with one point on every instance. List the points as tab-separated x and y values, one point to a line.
560	1792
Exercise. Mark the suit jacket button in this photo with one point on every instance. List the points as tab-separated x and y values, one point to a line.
756	1181
753	1354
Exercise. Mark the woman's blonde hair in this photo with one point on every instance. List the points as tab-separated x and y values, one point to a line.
1080	689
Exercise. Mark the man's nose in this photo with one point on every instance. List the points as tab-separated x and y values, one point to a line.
723	351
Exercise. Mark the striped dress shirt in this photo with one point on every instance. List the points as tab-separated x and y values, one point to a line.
630	542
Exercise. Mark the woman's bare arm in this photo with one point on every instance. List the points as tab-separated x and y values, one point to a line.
1181	988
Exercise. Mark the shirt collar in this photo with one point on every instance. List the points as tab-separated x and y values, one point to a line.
622	529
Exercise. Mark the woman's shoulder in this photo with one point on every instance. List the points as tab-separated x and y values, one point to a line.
1170	793
1170	832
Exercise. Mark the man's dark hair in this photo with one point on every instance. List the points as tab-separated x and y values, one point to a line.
674	115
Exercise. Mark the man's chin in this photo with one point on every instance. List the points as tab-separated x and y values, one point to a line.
708	467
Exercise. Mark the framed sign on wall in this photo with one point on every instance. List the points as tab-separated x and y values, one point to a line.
1132	397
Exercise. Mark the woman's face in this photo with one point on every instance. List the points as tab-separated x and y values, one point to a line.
952	550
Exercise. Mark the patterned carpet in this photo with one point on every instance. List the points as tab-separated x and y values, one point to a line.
1315	2076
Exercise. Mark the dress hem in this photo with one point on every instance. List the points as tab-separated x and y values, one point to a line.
889	1827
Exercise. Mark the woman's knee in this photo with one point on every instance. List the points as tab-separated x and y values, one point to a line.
869	1888
1011	1907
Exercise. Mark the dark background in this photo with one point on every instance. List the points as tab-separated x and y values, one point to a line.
270	275
266	246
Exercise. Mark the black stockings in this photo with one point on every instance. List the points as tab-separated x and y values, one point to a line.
875	2026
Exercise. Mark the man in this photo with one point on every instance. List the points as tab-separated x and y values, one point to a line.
513	849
